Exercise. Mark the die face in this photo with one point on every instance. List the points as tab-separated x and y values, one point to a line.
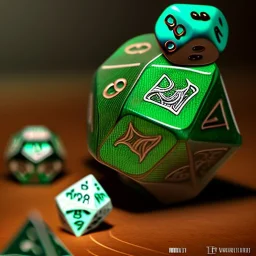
14	145
206	158
92	127
192	34
36	151
170	95
36	238
135	146
36	133
174	130
216	121
99	216
185	171
78	220
173	168
80	203
48	170
22	170
114	81
35	155
27	242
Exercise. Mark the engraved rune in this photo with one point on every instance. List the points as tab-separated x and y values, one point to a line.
138	143
164	95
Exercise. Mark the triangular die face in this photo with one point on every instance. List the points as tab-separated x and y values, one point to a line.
216	118
207	158
215	121
26	242
79	220
23	170
36	238
37	151
60	247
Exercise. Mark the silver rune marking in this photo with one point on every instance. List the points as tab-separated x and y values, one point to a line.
138	143
212	121
164	95
206	159
138	48
180	175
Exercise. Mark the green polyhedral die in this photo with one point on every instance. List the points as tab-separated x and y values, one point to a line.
35	238
35	155
166	126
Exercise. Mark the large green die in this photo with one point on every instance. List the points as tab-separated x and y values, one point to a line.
166	127
191	34
35	155
83	206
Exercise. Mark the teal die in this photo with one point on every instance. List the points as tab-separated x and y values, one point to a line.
35	155
192	34
83	206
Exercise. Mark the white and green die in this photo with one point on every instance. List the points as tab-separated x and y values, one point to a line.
83	205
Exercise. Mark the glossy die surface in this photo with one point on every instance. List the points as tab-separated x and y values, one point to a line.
166	127
191	34
35	155
83	206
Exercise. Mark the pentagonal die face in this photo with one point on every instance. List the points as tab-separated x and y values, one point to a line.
192	34
35	155
169	110
83	206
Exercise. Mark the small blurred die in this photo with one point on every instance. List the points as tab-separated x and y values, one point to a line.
35	155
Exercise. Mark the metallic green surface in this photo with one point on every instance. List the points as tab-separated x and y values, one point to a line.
194	28
219	132
92	128
35	155
121	157
166	130
164	171
206	159
109	109
200	77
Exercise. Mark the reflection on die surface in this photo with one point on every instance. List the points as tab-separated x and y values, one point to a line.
35	155
192	34
83	206
168	126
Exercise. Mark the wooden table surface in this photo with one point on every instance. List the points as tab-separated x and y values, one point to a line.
223	215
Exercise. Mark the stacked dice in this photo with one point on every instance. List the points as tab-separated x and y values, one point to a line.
159	112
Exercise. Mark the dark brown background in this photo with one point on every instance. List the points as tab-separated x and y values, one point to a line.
77	35
48	51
